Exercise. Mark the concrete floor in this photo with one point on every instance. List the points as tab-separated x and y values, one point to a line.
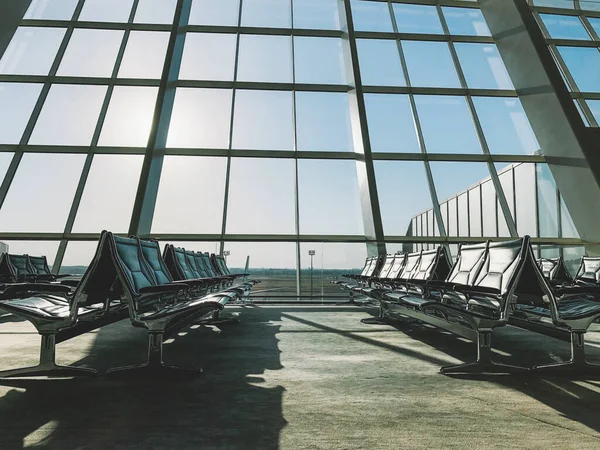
296	377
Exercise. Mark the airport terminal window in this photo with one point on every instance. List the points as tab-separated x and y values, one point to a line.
221	13
91	53
106	10
564	27
450	114
371	16
14	120
5	159
429	64
263	120
391	123
265	58
394	178
78	256
547	202
266	13
35	248
48	197
129	117
380	63
201	118
208	56
261	196
475	218
316	14
417	19
584	65
69	115
51	10
318	60
323	121
465	21
31	51
525	187
144	55
108	206
482	66
204	179
155	11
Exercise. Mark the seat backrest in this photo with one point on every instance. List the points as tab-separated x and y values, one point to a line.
502	264
151	253
204	259
375	266
410	266
589	270
40	264
22	265
134	271
469	261
200	266
100	281
182	261
190	258
398	265
548	266
387	266
170	259
427	266
221	265
368	263
8	273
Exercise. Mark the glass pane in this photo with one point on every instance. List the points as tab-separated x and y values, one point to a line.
144	55
463	214
391	124
555	3
452	217
201	118
91	53
317	14
209	12
547	202
453	178
263	120
506	181
505	126
525	191
594	106
393	178
51	9
197	246
129	117
331	260
417	19
31	51
323	121
185	181
572	257
371	16
266	13
564	27
444	213
35	248
155	11
595	22
584	65
265	58
106	10
319	60
48	197
69	115
475	217
430	64
329	197
16	104
380	63
5	159
447	124
483	66
261	196
109	194
465	21
208	56
274	263
78	256
567	226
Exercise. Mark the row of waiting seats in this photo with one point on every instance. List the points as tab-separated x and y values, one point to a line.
127	277
489	285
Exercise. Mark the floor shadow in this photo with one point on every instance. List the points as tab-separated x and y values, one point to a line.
224	408
574	397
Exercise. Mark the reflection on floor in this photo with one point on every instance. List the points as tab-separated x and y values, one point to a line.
297	377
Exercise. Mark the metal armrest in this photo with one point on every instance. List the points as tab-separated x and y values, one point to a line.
21	288
483	290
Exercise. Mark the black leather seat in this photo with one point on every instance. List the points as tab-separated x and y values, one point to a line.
555	271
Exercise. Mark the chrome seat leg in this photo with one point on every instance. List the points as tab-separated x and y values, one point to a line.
47	366
484	363
576	366
154	368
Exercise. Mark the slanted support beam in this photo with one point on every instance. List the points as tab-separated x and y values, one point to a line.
11	14
572	150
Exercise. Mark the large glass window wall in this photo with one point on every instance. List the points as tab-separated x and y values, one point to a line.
279	127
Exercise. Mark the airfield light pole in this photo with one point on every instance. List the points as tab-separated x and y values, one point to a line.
226	253
312	254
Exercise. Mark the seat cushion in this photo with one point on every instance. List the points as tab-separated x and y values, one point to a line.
578	308
46	307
